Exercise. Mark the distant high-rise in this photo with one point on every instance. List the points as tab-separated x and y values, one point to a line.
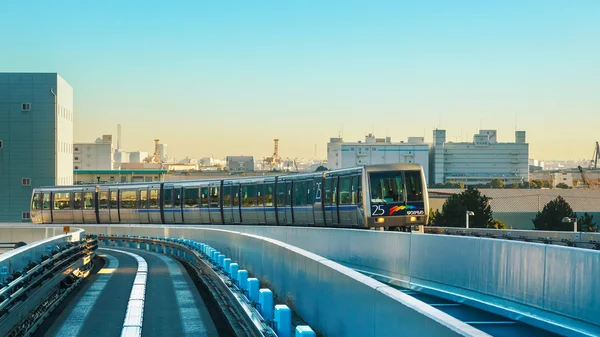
118	136
36	139
162	151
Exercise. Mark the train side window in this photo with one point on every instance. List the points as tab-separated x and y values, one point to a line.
359	190
88	200
62	200
177	198
299	193
168	197
113	199
269	195
128	199
249	196
214	197
346	191
144	199
36	202
204	196
310	196
46	203
191	197
77	200
414	187
281	194
235	190
103	200
226	196
153	199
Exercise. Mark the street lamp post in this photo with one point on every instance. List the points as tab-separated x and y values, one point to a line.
467	215
573	220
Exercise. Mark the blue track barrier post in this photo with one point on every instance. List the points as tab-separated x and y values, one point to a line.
283	320
265	299
233	271
243	280
304	331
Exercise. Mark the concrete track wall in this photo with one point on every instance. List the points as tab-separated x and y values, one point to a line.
331	298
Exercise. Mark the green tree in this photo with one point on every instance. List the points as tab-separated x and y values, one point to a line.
536	183
497	224
321	168
586	223
550	218
562	185
497	183
432	215
456	206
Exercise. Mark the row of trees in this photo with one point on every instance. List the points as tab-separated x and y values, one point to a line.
498	183
454	211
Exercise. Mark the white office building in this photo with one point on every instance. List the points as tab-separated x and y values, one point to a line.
137	156
479	161
375	151
94	156
162	152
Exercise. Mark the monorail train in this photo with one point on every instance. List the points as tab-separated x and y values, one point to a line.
394	195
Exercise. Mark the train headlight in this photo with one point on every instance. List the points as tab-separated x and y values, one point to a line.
413	218
380	220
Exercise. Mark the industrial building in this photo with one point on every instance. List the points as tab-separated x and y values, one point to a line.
36	138
240	163
94	156
118	176
375	151
479	161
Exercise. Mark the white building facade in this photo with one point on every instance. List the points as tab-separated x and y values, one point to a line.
480	161
375	151
94	156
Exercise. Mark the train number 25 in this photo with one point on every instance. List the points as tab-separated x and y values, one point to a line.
377	210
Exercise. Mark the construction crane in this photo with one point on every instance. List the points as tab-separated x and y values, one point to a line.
585	179
595	157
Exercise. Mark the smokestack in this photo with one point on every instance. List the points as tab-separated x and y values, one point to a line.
119	136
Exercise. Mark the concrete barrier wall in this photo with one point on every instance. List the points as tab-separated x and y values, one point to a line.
27	233
332	299
557	280
48	239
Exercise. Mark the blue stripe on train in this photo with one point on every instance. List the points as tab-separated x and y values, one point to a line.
247	209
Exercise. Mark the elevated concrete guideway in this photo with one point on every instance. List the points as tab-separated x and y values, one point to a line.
539	285
172	304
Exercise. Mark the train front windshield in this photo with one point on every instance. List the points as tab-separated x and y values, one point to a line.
391	187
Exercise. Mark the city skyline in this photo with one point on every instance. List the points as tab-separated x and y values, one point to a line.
216	79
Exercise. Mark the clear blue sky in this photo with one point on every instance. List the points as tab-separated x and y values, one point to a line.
226	77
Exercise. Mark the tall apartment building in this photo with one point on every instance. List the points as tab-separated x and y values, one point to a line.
94	156
36	138
480	161
375	151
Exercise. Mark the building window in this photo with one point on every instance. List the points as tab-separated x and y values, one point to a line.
26	106
26	181
76	148
25	215
1	144
76	158
77	167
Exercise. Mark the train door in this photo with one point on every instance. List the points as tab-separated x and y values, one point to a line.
143	213
215	204
154	206
204	211
227	202
178	205
281	194
347	208
236	207
270	216
331	209
317	201
89	207
168	205
77	207
46	209
114	206
103	211
260	206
